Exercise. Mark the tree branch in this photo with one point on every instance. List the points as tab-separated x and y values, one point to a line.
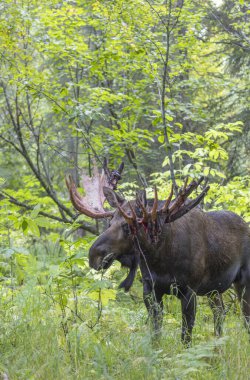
85	226
165	80
22	150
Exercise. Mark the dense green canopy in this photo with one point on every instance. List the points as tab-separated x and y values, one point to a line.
161	85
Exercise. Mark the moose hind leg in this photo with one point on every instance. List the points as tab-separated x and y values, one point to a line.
243	293
217	306
188	307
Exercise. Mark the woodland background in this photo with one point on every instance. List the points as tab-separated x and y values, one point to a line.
163	86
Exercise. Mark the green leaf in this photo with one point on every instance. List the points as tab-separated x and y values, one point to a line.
33	227
24	225
161	139
35	211
169	118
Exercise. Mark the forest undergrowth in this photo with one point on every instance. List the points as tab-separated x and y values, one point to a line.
162	86
52	326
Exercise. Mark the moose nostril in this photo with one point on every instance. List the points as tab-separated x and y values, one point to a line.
96	257
97	265
95	262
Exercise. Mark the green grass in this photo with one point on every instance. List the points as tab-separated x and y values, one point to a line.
52	326
35	345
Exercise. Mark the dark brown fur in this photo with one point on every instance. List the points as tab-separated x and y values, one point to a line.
202	253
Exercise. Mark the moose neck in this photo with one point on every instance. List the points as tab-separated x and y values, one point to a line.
146	248
155	256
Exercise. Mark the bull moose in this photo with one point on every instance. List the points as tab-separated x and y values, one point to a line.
179	248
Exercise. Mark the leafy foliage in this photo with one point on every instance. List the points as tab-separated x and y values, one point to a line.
163	86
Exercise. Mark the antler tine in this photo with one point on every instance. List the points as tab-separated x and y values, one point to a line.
72	188
193	185
144	211
183	194
74	194
155	206
189	189
130	220
165	207
202	179
132	210
68	180
187	207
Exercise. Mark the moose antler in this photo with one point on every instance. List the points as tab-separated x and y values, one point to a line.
179	208
91	204
169	212
148	215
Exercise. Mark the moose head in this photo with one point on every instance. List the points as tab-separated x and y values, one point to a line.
139	219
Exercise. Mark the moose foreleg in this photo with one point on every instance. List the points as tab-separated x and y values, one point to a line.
188	307
154	305
217	306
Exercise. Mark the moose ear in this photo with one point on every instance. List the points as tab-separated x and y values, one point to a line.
141	197
112	197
